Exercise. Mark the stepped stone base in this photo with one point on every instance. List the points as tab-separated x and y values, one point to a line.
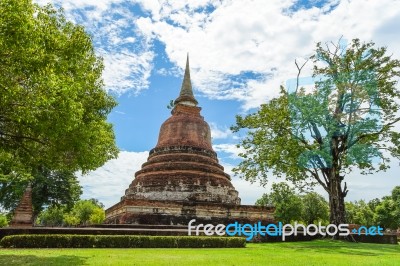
182	178
180	213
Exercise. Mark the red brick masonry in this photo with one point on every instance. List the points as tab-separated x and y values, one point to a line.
182	178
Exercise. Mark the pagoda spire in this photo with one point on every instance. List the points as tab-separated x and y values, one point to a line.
186	96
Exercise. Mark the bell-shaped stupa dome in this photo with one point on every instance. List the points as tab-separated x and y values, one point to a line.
183	167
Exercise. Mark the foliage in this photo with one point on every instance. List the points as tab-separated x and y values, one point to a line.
84	212
384	212
49	188
87	211
359	212
396	194
97	203
319	136
288	205
315	208
119	241
53	106
387	211
3	220
265	200
373	204
70	219
98	216
387	214
52	216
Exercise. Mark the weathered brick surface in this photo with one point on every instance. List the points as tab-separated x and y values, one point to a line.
183	166
182	178
186	127
23	214
180	213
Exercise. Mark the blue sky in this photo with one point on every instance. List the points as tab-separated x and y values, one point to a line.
240	53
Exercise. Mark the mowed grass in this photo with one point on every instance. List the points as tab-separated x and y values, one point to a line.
318	252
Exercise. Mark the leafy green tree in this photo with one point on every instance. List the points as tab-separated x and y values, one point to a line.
84	212
97	203
319	136
265	200
315	209
53	106
288	205
396	194
359	212
87	212
98	216
350	212
70	219
49	188
373	204
396	199
3	220
52	216
387	215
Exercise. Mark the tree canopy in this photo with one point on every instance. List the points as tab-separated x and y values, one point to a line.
288	205
291	206
315	208
84	212
346	121
53	106
359	212
49	188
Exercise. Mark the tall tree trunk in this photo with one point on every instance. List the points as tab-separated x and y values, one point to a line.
336	201
336	194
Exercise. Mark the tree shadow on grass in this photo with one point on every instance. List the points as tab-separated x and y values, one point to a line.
36	260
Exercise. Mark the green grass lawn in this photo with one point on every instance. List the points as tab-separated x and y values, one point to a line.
318	252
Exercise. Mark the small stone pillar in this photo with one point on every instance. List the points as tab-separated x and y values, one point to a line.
23	214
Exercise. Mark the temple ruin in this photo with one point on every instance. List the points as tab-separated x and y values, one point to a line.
182	178
23	214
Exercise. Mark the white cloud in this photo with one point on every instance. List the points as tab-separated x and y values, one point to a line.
109	182
174	71
229	41
260	37
230	149
218	132
126	71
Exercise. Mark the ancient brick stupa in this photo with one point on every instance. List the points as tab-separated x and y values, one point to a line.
182	178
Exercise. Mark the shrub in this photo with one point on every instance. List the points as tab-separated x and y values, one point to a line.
119	241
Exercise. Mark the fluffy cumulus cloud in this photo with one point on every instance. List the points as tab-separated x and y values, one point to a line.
242	50
108	183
